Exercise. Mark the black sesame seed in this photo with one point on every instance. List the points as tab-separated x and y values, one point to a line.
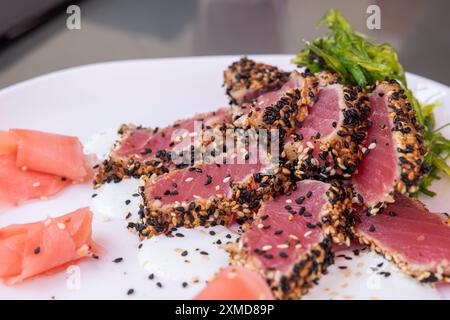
278	232
184	253
180	235
159	284
310	225
151	276
130	292
283	254
118	260
185	284
300	200
37	250
372	228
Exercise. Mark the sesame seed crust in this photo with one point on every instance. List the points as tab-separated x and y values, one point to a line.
337	225
407	136
246	79
417	272
295	283
341	152
116	168
242	204
285	114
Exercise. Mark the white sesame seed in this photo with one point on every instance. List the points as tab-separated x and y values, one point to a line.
372	146
226	179
310	145
293	237
24	168
288	201
218	187
36	184
266	248
47	222
260	226
61	226
283	246
189	179
307	234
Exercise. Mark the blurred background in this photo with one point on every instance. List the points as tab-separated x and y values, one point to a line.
34	39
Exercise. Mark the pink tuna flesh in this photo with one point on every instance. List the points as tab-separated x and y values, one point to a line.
322	115
273	229
270	98
410	231
377	171
145	143
204	181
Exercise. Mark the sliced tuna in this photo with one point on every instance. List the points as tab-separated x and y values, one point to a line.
406	233
327	143
145	151
245	80
28	250
283	109
289	242
394	161
204	195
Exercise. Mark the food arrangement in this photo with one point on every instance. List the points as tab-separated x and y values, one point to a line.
355	148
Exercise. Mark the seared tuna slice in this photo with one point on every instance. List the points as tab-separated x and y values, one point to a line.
145	151
204	195
328	141
406	233
245	80
394	151
283	109
289	242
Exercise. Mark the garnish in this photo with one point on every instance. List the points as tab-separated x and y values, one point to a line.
360	61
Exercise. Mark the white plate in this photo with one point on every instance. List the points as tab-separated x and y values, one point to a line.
85	100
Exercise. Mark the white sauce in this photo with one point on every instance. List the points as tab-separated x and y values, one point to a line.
162	255
361	280
101	143
111	200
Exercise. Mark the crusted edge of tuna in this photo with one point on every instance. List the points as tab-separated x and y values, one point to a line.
409	142
345	147
299	279
114	169
420	274
337	223
285	114
424	276
246	74
245	199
